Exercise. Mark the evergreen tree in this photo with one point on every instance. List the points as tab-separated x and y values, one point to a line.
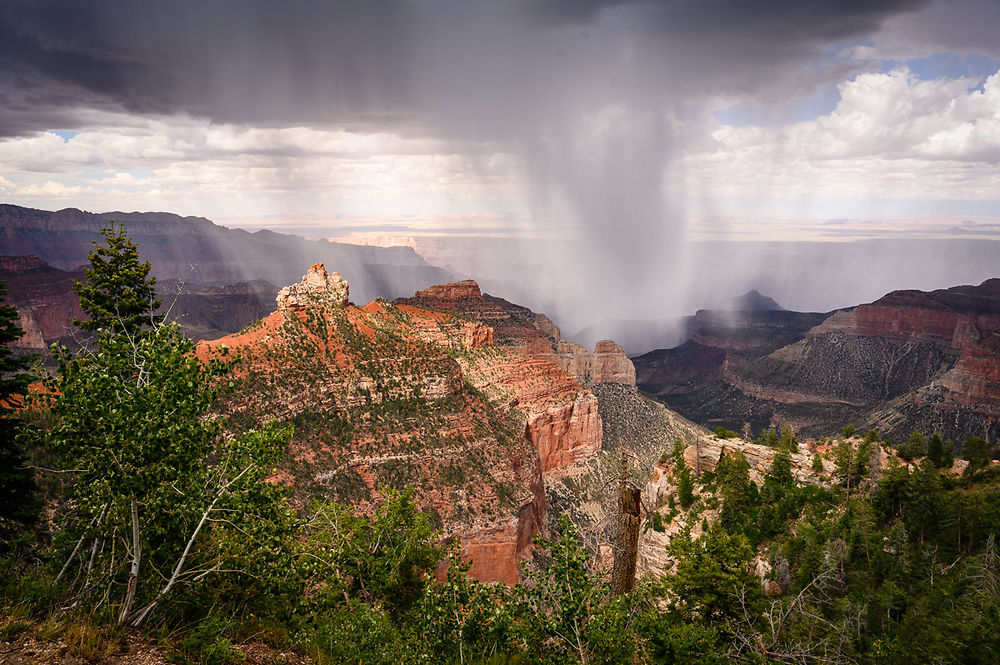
119	294
738	494
846	469
936	452
976	452
915	447
863	462
789	441
18	506
922	501
685	479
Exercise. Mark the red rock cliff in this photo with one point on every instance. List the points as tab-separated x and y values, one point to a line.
429	399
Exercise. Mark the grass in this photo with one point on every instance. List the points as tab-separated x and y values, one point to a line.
89	642
12	626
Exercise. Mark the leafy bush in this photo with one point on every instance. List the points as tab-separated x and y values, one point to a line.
208	645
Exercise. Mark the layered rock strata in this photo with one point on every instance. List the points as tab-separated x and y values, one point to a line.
532	333
911	360
395	395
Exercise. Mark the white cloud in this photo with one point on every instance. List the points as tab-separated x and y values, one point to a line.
891	135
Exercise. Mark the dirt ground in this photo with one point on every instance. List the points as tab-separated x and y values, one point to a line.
27	649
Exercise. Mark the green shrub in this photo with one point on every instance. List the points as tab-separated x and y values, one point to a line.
207	644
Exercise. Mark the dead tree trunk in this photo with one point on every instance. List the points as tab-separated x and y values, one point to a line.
133	578
627	547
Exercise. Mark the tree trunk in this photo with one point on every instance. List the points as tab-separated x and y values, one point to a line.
627	549
133	578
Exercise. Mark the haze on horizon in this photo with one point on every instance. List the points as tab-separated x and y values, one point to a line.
599	139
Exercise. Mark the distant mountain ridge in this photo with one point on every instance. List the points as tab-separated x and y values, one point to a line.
910	360
46	303
643	336
753	301
194	249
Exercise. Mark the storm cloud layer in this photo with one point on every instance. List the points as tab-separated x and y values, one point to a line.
454	67
595	106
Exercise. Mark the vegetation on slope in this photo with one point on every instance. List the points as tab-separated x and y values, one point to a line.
160	518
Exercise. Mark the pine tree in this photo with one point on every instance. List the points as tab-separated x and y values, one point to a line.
119	294
936	450
977	452
17	504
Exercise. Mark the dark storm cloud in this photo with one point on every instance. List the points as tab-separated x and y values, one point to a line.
389	62
596	98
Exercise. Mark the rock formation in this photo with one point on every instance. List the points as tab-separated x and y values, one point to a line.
535	334
44	298
476	418
611	365
452	291
316	288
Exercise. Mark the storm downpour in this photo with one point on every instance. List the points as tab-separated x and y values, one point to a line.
499	331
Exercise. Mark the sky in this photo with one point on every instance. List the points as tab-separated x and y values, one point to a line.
625	128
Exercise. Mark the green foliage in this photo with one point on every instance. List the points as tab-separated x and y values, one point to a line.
564	614
19	506
738	494
915	447
685	479
655	522
940	452
713	580
977	452
143	463
381	559
207	644
817	464
356	632
724	433
848	431
462	618
119	295
788	439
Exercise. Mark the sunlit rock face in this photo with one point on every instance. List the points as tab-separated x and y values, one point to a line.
474	417
317	287
611	365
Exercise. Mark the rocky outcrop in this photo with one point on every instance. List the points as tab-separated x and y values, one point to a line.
705	453
702	455
611	365
44	298
566	433
316	288
531	333
452	291
396	394
19	264
574	360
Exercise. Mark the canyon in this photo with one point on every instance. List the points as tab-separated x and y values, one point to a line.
462	397
47	305
910	360
194	250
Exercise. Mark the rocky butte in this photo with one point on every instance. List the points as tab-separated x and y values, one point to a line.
458	395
